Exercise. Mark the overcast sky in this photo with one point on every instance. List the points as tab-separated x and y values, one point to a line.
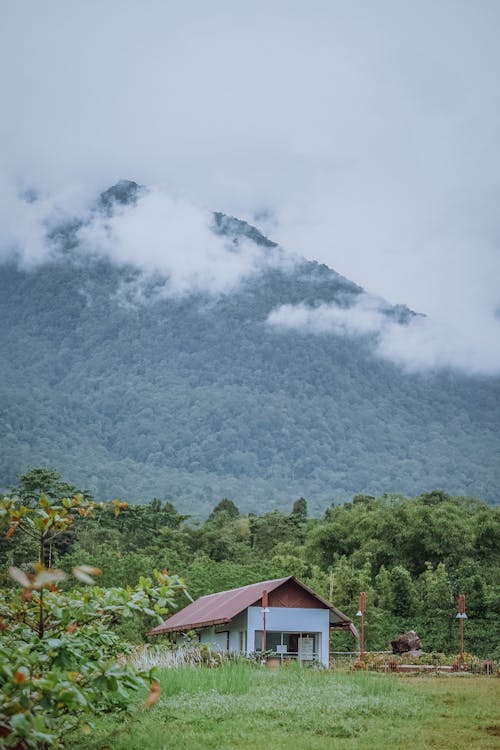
362	134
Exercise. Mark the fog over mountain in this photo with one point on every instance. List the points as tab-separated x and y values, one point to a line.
174	238
363	136
152	348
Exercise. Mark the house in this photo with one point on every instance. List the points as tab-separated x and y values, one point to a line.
282	615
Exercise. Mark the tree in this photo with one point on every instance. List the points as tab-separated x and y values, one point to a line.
58	654
43	481
223	511
43	521
402	597
299	509
268	530
438	607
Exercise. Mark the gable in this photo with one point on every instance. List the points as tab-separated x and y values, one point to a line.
290	594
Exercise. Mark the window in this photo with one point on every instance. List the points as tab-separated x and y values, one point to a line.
303	646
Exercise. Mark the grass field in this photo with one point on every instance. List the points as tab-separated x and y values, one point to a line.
240	707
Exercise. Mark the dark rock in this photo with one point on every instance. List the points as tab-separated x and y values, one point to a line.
406	643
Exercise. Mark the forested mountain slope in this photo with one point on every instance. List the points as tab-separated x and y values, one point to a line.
195	397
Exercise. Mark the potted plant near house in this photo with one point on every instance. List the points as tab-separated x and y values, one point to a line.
273	660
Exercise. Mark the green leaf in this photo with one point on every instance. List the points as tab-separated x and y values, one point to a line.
21	724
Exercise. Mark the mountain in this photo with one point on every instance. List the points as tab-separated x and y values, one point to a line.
133	391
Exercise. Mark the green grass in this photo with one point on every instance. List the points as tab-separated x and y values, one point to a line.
239	707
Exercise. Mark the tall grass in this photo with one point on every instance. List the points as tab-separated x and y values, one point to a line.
167	658
228	679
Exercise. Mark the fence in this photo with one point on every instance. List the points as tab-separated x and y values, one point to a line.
347	659
386	661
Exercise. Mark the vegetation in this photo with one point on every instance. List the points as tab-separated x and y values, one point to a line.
117	377
64	640
59	649
236	706
136	394
412	557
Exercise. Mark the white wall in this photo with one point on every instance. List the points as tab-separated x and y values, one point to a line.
291	619
237	624
288	619
218	641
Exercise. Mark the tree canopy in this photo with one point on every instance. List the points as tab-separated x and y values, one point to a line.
412	557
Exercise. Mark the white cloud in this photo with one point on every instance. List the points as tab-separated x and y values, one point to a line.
367	131
426	344
161	235
363	318
172	237
27	217
420	344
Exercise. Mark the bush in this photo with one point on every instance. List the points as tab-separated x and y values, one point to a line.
59	652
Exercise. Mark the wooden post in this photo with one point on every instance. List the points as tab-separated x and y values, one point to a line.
461	616
361	613
265	602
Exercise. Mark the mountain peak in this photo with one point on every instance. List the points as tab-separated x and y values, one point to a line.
124	192
230	226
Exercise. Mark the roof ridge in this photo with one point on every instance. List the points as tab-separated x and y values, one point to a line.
247	586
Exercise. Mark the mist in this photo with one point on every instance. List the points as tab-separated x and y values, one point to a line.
418	344
362	136
174	238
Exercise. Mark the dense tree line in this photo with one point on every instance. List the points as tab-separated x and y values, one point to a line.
412	556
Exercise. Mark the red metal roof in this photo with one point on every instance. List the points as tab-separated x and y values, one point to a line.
219	608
